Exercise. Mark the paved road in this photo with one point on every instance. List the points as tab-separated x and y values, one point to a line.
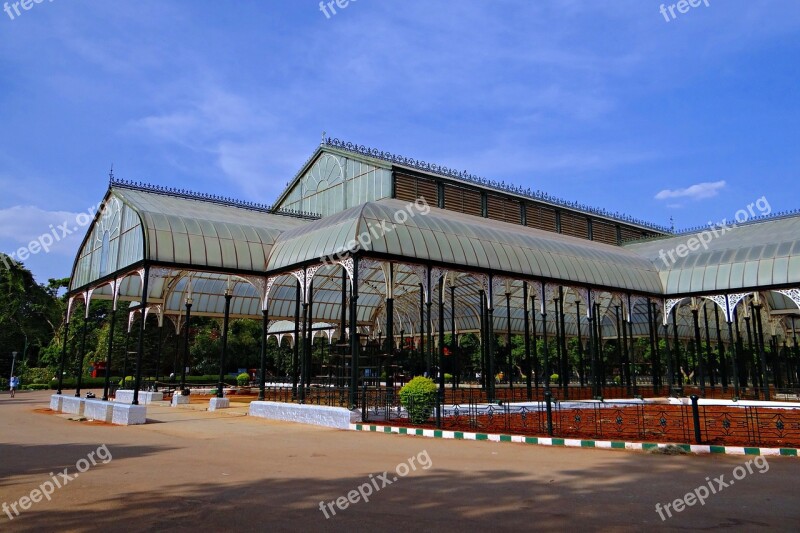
190	470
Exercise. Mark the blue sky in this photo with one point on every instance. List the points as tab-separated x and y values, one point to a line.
602	102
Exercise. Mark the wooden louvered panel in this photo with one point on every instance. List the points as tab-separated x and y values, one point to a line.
629	234
604	232
504	209
405	187
453	198
541	217
429	191
495	205
472	202
574	225
512	211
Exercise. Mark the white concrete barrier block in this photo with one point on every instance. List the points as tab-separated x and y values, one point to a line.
56	402
179	399
219	403
318	415
72	405
98	410
128	415
145	398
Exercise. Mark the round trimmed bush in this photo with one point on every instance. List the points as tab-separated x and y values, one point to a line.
418	397
243	379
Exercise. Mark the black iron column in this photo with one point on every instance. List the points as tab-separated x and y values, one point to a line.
159	351
296	347
755	374
739	350
731	340
64	354
723	365
140	351
536	372
455	351
355	346
762	356
264	334
484	381
490	340
440	403
185	343
109	352
653	364
527	326
670	368
390	336
79	372
794	350
565	366
626	356
698	350
429	326
422	327
710	360
545	347
620	348
593	347
581	362
635	372
343	327
656	353
677	349
224	351
601	363
510	363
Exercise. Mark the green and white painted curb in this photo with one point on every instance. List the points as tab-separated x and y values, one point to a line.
573	443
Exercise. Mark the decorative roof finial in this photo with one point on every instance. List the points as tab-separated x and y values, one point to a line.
323	137
111	174
672	224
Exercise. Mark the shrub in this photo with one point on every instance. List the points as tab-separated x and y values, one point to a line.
128	383
37	375
448	377
418	396
243	379
36	386
554	377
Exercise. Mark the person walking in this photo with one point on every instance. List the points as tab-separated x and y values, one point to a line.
13	384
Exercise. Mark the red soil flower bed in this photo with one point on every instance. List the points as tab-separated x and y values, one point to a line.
719	425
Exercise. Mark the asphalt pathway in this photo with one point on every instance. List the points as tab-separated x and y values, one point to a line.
191	470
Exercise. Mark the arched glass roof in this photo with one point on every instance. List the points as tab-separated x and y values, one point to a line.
764	253
465	242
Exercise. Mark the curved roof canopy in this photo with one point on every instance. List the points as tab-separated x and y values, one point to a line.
395	229
760	254
138	225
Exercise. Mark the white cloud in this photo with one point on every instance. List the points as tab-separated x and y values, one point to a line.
20	225
699	191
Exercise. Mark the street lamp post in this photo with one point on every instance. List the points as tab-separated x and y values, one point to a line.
13	363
